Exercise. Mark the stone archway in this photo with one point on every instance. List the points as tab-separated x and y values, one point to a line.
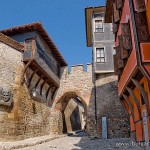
68	95
64	123
78	83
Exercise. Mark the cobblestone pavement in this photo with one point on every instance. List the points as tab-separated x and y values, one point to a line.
82	142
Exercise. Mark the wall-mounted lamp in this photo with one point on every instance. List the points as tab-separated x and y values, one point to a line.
35	92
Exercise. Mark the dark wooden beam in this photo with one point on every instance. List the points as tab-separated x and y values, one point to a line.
25	68
143	93
130	106
116	13
48	92
55	89
42	85
135	100
139	5
30	79
39	80
41	88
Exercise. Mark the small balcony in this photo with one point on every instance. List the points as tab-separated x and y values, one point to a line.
41	63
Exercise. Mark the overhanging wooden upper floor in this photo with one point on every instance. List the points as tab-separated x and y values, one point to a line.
38	27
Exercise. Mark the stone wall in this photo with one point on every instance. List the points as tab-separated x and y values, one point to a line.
10	60
75	116
109	106
31	116
78	83
26	116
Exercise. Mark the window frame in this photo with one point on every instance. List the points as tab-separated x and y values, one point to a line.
95	29
100	57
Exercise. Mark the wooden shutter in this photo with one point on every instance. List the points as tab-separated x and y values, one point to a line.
115	63
119	4
142	27
126	36
114	25
116	13
139	5
116	69
118	52
123	51
120	62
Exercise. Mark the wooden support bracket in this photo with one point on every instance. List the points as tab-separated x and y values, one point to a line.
135	100
143	93
130	106
30	79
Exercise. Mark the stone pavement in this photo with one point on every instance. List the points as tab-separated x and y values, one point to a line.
81	142
28	142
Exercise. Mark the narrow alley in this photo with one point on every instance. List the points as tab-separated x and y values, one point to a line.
73	98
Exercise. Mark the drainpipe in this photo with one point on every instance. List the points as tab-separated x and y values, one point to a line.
94	75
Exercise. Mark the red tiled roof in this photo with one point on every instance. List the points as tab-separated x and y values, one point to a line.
37	26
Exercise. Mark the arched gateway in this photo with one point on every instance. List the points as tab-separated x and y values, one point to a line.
75	85
79	84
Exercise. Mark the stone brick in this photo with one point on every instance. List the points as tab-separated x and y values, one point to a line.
30	117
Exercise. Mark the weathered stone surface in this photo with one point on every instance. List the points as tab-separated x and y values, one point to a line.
32	116
74	115
108	105
78	83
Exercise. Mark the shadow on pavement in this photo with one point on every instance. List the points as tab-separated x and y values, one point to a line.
86	143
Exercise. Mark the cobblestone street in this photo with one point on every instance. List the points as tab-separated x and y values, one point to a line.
80	141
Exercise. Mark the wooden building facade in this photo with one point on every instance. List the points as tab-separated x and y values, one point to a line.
131	27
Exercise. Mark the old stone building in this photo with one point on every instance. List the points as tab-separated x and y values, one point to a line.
29	77
40	96
110	118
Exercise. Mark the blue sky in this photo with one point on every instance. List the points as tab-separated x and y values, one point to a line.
64	21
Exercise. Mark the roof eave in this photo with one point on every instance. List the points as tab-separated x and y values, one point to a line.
37	26
109	11
11	42
88	23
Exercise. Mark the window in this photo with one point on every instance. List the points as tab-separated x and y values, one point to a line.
98	15
98	25
28	44
100	55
